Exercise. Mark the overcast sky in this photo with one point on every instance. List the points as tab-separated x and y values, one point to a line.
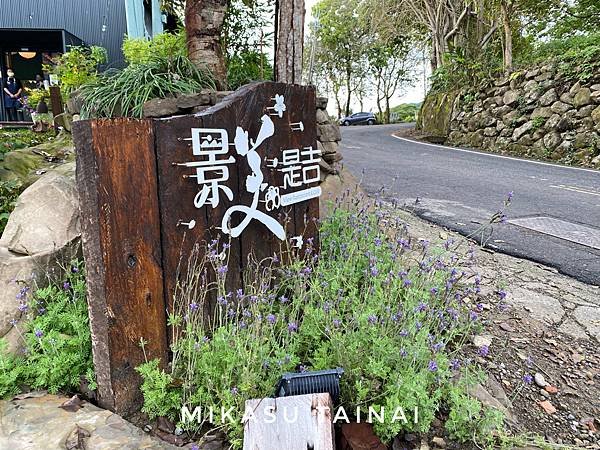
410	94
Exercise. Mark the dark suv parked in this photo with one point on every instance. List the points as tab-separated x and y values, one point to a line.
359	118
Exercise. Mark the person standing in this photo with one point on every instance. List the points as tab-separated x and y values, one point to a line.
12	93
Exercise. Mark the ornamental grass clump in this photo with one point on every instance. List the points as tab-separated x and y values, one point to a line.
391	311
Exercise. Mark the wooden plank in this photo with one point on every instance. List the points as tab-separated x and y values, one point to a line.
301	422
116	176
244	109
176	195
56	102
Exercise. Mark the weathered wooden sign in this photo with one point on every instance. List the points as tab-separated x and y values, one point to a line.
246	169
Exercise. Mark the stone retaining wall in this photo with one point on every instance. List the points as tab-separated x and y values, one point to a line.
537	113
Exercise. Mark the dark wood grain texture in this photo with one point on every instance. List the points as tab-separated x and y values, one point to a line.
116	175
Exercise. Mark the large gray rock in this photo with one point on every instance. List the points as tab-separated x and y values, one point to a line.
322	102
552	140
543	111
322	116
41	237
582	97
525	128
596	115
189	101
46	217
160	107
328	133
510	98
328	147
38	422
560	107
548	98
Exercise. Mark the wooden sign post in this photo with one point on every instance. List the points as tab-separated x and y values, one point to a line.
246	169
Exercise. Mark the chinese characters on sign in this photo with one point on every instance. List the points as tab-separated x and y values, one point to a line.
213	153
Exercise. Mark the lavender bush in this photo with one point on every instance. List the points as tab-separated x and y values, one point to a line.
392	311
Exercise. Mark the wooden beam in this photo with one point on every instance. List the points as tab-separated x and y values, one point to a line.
300	422
117	181
289	43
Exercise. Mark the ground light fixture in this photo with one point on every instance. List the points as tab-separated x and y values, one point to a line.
316	382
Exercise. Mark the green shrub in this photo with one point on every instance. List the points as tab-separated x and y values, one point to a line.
392	312
9	193
56	335
77	67
161	46
247	67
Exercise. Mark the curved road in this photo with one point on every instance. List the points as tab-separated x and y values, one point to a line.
554	217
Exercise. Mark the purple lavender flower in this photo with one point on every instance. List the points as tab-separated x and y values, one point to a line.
74	269
222	270
510	195
372	319
437	347
194	447
39	333
403	352
502	294
271	318
484	350
22	293
421	307
527	378
14	322
234	390
66	285
404	333
337	323
432	366
284	299
194	306
23	307
407	282
455	364
306	271
292	327
377	242
374	271
434	291
473	316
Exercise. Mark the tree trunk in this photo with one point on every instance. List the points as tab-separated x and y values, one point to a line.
203	23
387	109
348	91
289	43
508	55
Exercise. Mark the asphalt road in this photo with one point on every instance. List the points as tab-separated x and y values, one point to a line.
554	217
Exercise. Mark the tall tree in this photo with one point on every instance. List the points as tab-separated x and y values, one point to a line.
343	39
390	66
204	24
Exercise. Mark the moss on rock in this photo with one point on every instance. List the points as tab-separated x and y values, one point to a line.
436	113
24	165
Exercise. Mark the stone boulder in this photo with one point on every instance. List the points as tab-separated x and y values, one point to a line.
161	107
329	132
41	237
582	97
46	216
26	165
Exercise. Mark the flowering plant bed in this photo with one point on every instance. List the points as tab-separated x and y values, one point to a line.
392	311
